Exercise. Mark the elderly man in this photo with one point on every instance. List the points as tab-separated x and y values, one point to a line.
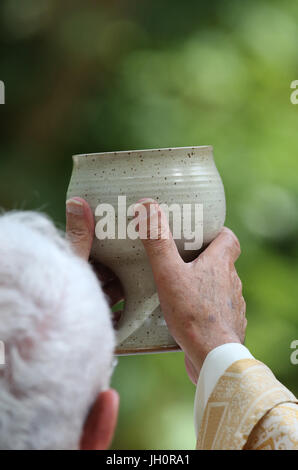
54	389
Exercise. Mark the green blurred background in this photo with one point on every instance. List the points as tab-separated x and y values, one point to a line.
84	76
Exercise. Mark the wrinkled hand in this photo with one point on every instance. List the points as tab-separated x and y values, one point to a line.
202	300
80	233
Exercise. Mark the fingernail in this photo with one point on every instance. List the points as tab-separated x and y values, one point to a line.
74	207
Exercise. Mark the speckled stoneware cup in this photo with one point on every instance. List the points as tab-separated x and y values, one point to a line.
173	175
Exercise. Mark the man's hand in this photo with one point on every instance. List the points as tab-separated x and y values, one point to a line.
80	233
202	300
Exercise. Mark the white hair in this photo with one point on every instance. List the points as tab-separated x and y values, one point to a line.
58	336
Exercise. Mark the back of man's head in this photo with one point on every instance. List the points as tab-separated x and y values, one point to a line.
57	332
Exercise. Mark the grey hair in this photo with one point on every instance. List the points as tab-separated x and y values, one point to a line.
56	327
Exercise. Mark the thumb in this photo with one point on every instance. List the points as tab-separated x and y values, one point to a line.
157	239
79	226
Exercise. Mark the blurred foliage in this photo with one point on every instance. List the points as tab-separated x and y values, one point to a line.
87	76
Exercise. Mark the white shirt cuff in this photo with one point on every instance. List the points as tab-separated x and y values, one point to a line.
214	366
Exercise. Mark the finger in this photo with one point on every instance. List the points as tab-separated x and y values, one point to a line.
157	238
243	307
79	226
191	370
236	281
242	336
226	245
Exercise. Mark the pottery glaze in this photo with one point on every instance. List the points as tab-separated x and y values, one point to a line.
174	175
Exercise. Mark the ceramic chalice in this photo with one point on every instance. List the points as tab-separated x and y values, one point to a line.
171	176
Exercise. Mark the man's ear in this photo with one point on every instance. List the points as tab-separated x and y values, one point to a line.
101	422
